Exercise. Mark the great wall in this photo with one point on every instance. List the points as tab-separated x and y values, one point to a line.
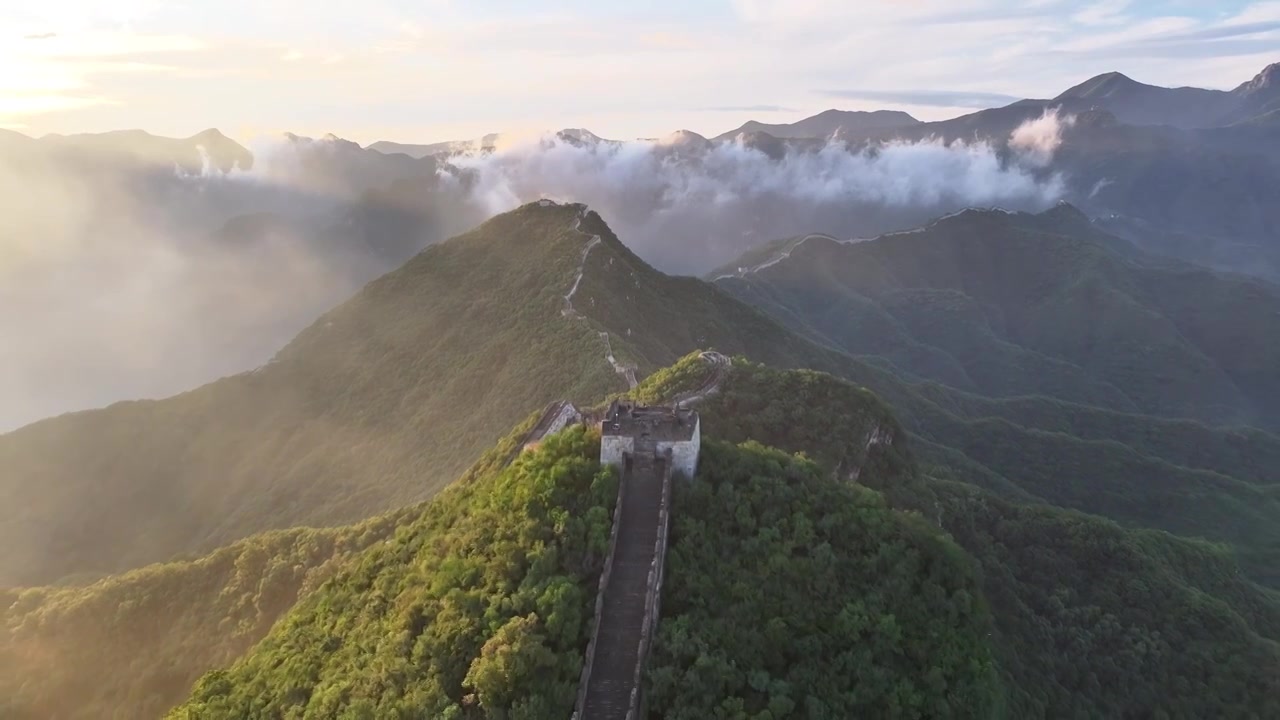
649	446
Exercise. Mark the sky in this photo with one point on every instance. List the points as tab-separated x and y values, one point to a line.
431	70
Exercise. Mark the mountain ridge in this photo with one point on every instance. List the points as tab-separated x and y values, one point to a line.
1086	255
827	124
511	313
286	409
358	385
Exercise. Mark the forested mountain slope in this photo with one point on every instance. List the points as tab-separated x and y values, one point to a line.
384	359
480	604
378	404
831	421
1090	619
132	645
1008	304
481	608
1141	470
386	397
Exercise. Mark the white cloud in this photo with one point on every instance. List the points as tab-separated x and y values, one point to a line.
1038	140
1257	12
1106	12
689	212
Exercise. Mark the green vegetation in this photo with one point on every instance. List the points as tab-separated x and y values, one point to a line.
1093	620
842	427
1090	619
476	603
791	595
1112	480
131	646
1005	305
687	374
1104	477
1241	452
377	405
478	608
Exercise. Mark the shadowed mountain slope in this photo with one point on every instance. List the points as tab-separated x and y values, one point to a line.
1008	304
1185	107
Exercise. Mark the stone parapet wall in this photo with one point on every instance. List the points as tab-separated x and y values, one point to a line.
615	448
684	455
653	596
607	570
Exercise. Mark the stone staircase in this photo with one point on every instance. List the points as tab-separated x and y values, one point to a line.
629	611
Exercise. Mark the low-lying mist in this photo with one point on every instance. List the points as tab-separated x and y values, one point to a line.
688	206
122	280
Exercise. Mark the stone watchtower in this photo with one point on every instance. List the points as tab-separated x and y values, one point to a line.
635	430
649	446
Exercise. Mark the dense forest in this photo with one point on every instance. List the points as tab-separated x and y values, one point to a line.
1090	619
1022	610
478	608
131	645
793	595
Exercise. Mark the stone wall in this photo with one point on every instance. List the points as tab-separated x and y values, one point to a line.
605	572
684	455
614	449
653	595
568	415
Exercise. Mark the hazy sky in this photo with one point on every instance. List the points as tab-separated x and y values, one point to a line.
444	69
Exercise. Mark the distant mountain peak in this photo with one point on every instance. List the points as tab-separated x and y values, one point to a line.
1116	77
328	139
1106	85
1064	210
210	134
894	115
579	136
1268	79
1060	213
845	124
684	138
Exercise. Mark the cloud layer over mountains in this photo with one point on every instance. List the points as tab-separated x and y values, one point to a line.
127	274
686	204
